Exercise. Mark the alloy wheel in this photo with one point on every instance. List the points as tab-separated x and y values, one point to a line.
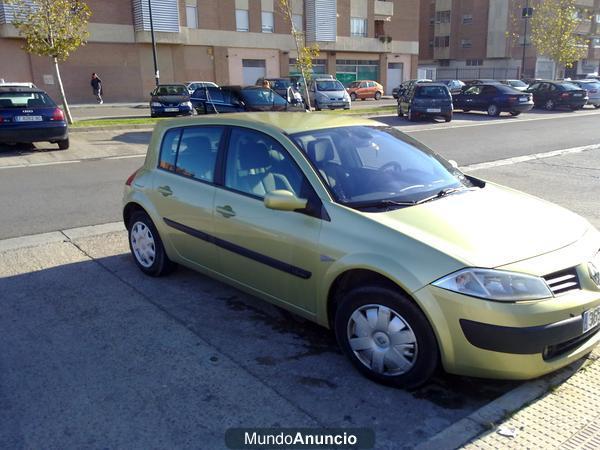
382	340
142	244
549	105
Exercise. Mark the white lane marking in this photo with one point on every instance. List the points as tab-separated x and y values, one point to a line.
525	158
499	122
70	161
60	236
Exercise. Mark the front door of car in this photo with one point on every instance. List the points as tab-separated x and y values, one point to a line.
471	98
273	252
540	93
183	191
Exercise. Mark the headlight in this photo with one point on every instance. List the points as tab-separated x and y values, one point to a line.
495	285
155	104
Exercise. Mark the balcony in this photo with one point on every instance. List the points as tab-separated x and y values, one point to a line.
585	3
383	9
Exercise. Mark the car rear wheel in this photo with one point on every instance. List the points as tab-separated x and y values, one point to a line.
147	247
64	144
596	106
377	95
386	336
353	97
549	105
515	113
493	110
448	118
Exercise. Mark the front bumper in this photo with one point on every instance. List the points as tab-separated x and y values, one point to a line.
519	107
168	110
49	132
423	111
338	104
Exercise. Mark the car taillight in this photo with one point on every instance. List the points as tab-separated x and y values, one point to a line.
132	177
565	95
512	99
58	115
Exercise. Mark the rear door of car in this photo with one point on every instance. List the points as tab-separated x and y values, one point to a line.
183	190
489	95
273	252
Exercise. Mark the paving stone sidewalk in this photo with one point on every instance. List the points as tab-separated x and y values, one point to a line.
567	417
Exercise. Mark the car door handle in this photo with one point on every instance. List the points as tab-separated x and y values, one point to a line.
226	211
165	191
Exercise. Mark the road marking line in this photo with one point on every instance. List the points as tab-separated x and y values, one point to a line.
499	122
60	236
125	157
525	158
53	163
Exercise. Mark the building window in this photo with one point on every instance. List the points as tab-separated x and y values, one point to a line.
191	16
596	42
298	22
442	41
358	27
349	70
467	18
267	21
526	13
442	17
474	62
444	63
431	43
465	43
241	20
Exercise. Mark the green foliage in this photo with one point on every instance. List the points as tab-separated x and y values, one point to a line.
53	28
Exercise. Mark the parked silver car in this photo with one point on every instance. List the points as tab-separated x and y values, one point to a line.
593	89
328	93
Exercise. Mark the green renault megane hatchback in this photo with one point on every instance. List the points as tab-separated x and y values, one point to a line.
358	227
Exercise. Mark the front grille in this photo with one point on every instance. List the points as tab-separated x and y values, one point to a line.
554	351
563	281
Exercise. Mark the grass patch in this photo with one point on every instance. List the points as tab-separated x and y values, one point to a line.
114	122
375	110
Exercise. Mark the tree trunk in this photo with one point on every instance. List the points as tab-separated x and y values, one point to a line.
62	93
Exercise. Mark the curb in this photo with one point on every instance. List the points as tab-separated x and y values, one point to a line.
486	417
67	235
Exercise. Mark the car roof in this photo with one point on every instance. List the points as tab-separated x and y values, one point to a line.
432	84
286	122
21	89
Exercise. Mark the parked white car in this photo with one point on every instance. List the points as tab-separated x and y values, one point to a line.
193	85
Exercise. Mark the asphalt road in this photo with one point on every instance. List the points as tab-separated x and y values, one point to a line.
41	194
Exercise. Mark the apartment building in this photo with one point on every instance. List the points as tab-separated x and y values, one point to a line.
226	41
472	39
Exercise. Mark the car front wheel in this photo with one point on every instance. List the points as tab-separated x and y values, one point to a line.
377	95
386	336
549	105
147	247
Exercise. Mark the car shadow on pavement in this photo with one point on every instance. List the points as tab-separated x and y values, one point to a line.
133	137
194	350
7	150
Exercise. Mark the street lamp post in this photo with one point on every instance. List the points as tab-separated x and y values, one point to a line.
156	71
526	17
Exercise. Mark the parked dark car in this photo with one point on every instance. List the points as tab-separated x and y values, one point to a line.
227	99
454	86
170	100
480	81
286	87
426	100
493	98
555	94
29	115
397	91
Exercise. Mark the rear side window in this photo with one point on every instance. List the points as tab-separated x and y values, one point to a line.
191	151
489	90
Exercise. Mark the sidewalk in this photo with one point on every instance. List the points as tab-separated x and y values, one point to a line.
567	417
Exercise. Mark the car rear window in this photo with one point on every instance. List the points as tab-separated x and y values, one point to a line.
25	100
432	92
568	87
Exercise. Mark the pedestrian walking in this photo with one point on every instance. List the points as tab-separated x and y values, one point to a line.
96	84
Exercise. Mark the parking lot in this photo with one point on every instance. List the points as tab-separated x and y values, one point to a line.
97	355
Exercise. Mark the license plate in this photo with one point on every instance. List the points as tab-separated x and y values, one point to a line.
591	319
434	110
523	99
28	119
171	109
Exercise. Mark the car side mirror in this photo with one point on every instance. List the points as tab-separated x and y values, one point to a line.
283	200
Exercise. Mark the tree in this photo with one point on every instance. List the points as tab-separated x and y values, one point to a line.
52	28
553	32
305	53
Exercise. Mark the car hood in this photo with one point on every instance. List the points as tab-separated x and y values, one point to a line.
171	98
488	227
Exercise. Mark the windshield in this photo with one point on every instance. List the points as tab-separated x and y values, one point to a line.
332	85
25	100
432	92
171	90
366	165
262	97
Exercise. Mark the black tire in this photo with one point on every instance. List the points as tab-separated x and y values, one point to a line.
353	97
448	118
377	95
493	110
425	356
515	113
161	265
64	144
596	106
317	107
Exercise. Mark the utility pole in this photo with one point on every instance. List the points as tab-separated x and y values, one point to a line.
526	18
156	71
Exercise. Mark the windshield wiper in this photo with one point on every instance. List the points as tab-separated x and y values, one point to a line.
385	203
441	194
